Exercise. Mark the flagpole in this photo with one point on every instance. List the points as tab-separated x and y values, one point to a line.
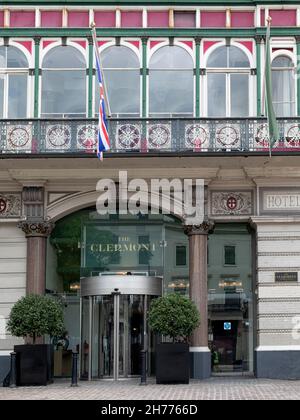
268	34
94	36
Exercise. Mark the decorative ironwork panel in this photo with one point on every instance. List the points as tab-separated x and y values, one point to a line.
197	137
58	137
228	136
87	137
159	136
18	138
292	135
128	136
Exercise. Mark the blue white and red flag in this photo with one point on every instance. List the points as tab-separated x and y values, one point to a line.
103	143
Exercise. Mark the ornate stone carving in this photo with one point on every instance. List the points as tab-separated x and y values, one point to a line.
33	203
231	203
204	229
43	228
10	205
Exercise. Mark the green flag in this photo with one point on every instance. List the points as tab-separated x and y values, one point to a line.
272	122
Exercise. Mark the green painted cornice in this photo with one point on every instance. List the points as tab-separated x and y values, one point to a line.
147	2
155	32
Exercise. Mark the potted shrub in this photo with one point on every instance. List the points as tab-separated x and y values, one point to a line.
175	317
31	317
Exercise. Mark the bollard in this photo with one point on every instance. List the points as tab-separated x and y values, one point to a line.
13	370
74	369
143	367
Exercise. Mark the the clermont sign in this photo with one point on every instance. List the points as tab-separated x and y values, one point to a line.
123	247
181	197
282	201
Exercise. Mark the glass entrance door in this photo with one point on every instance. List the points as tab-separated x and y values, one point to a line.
116	327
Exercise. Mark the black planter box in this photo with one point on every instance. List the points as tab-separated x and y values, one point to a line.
34	364
172	363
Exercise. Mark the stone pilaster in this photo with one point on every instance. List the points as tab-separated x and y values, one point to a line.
200	353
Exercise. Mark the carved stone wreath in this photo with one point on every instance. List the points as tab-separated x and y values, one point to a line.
196	136
159	136
87	136
227	136
129	136
58	137
10	205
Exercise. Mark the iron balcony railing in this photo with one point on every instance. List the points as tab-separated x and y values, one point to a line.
146	136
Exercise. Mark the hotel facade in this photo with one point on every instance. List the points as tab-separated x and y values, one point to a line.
185	86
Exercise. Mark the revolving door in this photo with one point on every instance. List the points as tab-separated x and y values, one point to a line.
114	327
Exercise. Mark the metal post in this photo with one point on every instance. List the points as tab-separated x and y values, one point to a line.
116	295
74	369
145	347
144	367
13	370
90	337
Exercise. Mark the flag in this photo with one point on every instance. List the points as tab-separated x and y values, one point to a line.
272	122
103	143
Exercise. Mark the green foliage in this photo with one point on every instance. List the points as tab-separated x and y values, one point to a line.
34	316
173	315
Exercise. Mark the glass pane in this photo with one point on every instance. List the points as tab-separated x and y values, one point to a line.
218	58
64	58
85	345
239	88
3	51
1	94
237	58
180	255
17	96
283	93
119	57
171	92
15	58
282	61
123	91
230	300
216	89
63	92
229	255
171	58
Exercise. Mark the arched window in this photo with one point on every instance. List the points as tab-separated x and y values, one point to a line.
171	83
63	83
228	71
283	86
13	83
121	70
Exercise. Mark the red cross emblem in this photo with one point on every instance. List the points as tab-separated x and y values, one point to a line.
2	205
232	203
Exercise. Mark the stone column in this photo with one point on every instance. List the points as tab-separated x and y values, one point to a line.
36	230
36	234
200	353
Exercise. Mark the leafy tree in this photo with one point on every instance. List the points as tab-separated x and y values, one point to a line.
36	315
173	315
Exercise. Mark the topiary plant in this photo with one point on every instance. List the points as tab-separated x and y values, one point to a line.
173	315
34	316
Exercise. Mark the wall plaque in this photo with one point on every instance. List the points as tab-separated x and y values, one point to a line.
280	201
286	276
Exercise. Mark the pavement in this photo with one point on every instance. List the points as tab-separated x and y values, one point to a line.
215	388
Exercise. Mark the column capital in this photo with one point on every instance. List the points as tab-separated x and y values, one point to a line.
198	40
144	40
37	40
36	228
90	40
297	38
259	39
204	229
